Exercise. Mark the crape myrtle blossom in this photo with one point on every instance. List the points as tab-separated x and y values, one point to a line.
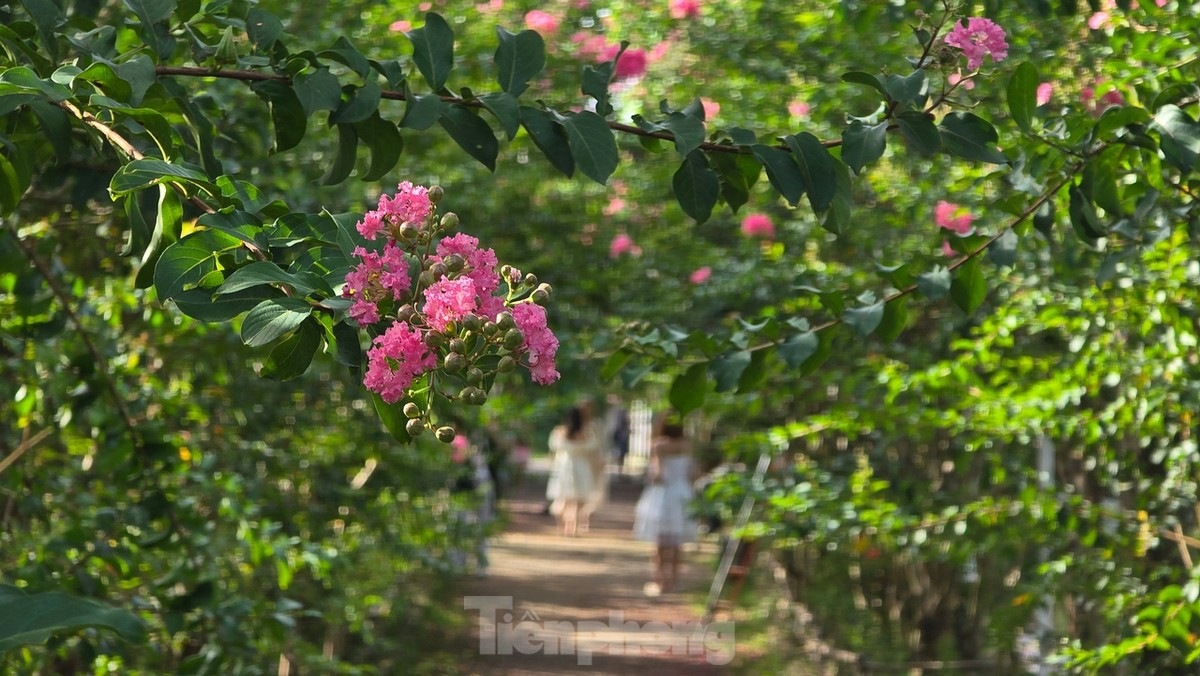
980	37
441	304
758	225
945	214
701	275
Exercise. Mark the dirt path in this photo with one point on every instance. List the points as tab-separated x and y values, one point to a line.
558	605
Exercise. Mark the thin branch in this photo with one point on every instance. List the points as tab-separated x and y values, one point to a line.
26	444
110	385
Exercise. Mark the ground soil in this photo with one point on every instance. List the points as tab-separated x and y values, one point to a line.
557	583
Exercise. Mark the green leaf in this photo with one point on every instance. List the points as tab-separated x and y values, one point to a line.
506	109
863	144
48	18
969	288
23	79
689	389
519	58
738	173
344	338
433	50
864	320
421	111
268	272
1003	251
1022	94
11	189
345	53
472	134
696	187
385	142
895	318
167	227
782	172
139	73
755	373
392	416
1180	137
153	15
934	284
796	350
727	369
837	218
363	103
31	619
817	167
186	262
918	130
865	79
318	90
592	144
291	358
688	131
550	138
287	115
594	82
272	318
971	138
906	88
343	161
200	303
263	28
1083	216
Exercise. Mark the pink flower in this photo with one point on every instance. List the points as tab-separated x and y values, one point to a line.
1099	20
944	214
1044	91
684	9
364	311
659	51
539	342
631	64
621	244
948	250
615	206
979	38
957	79
397	358
798	108
1111	97
711	108
758	225
490	6
372	279
400	26
592	45
448	301
701	275
482	262
542	22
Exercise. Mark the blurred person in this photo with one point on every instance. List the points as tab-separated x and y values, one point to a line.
661	515
573	479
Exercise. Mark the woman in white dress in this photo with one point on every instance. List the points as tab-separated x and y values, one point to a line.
575	446
662	515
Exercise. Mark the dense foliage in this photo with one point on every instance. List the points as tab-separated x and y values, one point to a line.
906	253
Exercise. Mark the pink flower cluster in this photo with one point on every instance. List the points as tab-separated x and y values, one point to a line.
980	37
631	63
758	225
459	286
946	215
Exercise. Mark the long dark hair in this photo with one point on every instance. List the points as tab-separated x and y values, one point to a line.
575	421
671	426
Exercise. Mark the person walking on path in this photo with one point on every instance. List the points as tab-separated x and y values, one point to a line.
573	482
661	515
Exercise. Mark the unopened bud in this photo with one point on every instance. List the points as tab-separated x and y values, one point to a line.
539	296
514	339
445	434
477	398
458	345
439	270
531	279
408	230
505	321
505	270
455	362
426	278
472	323
405	313
435	339
414	427
411	410
454	262
474	375
490	329
450	220
435	194
507	364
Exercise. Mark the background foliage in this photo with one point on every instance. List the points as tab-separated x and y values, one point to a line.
151	149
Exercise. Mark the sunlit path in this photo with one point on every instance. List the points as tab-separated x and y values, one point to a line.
578	604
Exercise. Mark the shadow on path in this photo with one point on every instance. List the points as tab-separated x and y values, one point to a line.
558	605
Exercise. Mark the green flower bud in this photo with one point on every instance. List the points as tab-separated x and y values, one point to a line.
531	279
505	271
445	434
474	375
505	321
426	278
411	410
408	231
435	339
405	313
458	345
545	287
478	397
435	194
439	270
507	364
414	427
450	222
472	323
455	362
539	296
514	339
490	329
455	262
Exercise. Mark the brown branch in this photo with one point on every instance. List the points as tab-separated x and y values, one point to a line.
26	444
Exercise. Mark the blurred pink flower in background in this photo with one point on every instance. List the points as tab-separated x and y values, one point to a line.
948	250
957	79
711	108
659	51
798	108
945	214
631	64
542	22
701	275
490	6
623	244
400	26
685	9
758	225
1111	97
615	206
1044	91
1099	20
